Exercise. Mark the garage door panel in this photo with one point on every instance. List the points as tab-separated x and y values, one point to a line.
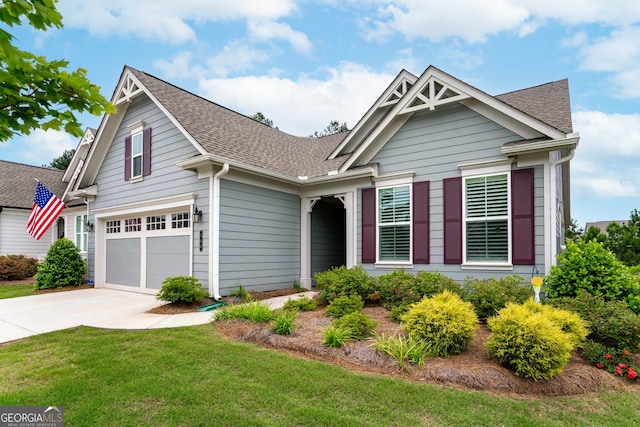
123	262
166	256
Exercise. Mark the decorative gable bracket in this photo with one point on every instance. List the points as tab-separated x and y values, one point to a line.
128	91
400	90
433	94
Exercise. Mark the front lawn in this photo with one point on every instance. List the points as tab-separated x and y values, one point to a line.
194	376
15	291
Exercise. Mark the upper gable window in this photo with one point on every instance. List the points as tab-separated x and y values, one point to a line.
137	152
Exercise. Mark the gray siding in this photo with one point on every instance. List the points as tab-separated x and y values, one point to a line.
168	146
259	238
433	144
15	240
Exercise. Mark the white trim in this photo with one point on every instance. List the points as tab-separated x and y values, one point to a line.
138	207
410	222
394	180
485	167
214	231
547	145
136	127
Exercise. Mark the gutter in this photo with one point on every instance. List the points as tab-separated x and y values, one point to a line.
565	159
214	231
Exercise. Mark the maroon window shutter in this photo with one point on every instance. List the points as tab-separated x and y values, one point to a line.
452	191
368	225
127	158
421	222
522	217
146	152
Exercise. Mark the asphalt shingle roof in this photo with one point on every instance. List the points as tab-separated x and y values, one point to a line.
18	183
233	136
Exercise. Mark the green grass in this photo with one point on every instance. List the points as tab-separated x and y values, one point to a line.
14	291
192	376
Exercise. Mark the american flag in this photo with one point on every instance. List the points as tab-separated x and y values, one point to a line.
45	209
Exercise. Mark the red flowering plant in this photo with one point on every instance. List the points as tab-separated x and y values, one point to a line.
616	361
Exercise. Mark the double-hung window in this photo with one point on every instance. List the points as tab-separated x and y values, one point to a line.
394	224
487	219
81	233
136	155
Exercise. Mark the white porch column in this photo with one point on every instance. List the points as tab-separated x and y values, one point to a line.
349	203
306	206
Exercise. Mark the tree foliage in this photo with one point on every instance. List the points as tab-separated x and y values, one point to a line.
624	240
333	127
573	231
35	92
259	117
63	161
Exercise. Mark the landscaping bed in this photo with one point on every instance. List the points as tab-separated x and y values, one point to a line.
473	369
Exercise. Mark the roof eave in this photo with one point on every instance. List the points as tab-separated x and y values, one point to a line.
571	142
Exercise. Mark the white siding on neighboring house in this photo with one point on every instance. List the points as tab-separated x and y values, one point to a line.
14	238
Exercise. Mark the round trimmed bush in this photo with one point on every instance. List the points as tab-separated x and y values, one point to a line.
181	289
529	342
344	305
445	322
63	266
591	267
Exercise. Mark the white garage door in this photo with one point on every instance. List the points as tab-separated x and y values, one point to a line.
142	250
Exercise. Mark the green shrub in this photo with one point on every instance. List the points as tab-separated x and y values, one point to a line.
400	288
529	342
343	305
360	324
285	323
63	266
17	267
406	350
611	323
444	321
590	267
342	281
489	296
182	290
396	312
300	304
255	311
336	336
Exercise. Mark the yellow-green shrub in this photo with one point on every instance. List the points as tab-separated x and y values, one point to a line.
445	322
567	321
529	339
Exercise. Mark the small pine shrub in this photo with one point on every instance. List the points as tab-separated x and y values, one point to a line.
343	305
528	342
63	266
400	288
488	296
360	324
181	290
342	281
255	311
588	266
444	321
336	336
405	350
285	323
610	323
17	267
300	304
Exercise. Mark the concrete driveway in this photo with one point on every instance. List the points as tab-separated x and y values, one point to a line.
101	308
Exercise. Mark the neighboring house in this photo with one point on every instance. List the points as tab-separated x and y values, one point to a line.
602	225
17	189
437	175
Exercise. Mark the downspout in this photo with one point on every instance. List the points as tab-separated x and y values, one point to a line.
553	207
214	231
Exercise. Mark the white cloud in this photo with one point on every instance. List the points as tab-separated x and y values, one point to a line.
179	67
41	147
269	30
164	20
606	163
618	54
304	105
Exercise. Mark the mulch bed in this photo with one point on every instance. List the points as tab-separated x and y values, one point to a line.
474	369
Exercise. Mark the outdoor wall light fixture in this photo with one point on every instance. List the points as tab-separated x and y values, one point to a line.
197	214
88	226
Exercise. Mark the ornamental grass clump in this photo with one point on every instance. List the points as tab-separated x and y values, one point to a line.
285	323
445	322
336	336
529	339
406	350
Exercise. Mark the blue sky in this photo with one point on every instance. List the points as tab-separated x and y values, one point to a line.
305	63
